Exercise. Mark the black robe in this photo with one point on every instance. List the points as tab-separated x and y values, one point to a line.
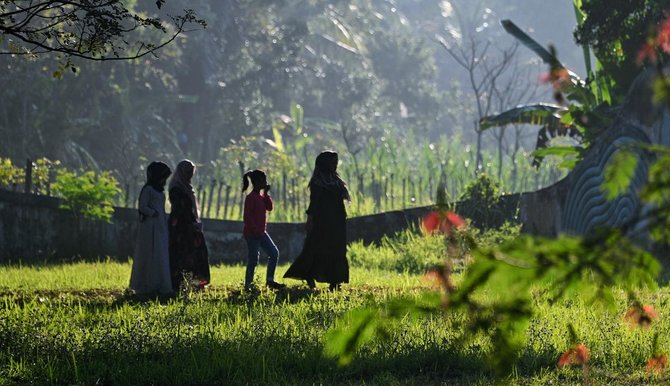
324	254
188	251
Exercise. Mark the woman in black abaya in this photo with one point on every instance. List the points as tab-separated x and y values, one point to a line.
324	254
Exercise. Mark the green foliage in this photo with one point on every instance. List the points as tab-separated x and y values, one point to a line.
569	155
618	173
480	199
483	191
88	193
495	297
617	30
656	193
10	174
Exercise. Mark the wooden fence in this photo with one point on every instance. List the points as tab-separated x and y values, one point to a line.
223	198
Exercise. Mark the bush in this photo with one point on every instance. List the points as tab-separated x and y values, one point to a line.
88	194
10	174
481	202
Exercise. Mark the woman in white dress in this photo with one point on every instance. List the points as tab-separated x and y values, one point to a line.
151	263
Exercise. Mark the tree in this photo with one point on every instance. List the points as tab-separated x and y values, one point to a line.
88	29
616	30
483	72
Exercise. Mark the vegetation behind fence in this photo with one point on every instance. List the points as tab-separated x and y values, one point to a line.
389	177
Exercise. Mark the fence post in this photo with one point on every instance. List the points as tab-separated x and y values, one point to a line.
202	208
242	168
29	176
392	192
225	208
430	189
374	190
386	193
404	193
361	188
218	199
127	200
419	191
293	197
209	201
283	189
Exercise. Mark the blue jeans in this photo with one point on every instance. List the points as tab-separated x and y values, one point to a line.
264	242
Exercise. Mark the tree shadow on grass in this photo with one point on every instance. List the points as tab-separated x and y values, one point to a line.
249	360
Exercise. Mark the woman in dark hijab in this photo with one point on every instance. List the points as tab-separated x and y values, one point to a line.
188	251
151	262
324	254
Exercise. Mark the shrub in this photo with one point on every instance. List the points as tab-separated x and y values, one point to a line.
89	194
10	174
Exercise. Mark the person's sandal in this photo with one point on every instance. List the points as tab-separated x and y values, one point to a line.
275	286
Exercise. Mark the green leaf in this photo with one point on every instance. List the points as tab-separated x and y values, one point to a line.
343	342
531	43
297	115
279	145
618	173
559	151
535	114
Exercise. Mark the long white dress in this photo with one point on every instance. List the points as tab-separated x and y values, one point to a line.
151	263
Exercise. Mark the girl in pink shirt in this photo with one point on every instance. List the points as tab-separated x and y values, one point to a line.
256	205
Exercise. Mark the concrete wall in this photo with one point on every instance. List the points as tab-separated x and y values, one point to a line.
33	229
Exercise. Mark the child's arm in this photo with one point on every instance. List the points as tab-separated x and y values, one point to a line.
269	205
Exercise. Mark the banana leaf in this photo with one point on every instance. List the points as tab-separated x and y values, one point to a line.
575	89
535	114
544	114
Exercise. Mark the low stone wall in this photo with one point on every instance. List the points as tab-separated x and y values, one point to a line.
34	229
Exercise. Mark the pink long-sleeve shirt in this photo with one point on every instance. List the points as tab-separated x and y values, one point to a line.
256	207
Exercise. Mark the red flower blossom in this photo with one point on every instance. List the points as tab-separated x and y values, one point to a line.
443	222
647	52
576	355
557	77
657	364
641	315
663	36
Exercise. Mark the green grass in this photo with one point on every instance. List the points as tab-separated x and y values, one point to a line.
75	324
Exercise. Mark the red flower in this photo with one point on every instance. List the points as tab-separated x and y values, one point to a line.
641	315
576	355
663	37
657	364
557	77
431	222
443	222
647	52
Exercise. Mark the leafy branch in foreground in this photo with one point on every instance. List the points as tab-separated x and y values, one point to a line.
562	267
88	29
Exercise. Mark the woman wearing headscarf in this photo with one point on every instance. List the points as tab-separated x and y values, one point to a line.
324	254
188	251
151	263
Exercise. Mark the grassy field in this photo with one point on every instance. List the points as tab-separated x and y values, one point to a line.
75	324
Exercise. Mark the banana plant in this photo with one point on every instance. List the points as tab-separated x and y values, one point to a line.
582	120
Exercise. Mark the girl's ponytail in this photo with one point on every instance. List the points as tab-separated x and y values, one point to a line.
245	181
